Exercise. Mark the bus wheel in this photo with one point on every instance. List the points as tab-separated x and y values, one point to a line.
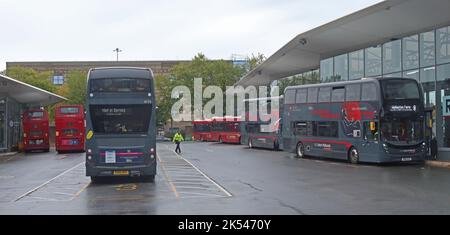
276	146
353	155
94	179
220	140
250	143
300	150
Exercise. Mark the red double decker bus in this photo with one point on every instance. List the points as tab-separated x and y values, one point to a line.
226	130
202	130
69	125
36	130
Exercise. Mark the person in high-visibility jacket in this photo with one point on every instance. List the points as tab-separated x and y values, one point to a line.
177	139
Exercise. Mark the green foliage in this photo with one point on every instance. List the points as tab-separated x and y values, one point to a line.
30	76
213	72
255	60
74	88
310	78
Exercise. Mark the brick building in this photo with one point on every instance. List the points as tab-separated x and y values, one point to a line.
62	68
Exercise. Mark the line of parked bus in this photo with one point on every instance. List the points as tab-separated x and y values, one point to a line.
69	129
374	120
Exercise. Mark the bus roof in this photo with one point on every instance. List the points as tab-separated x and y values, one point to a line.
120	72
201	121
227	119
265	99
344	83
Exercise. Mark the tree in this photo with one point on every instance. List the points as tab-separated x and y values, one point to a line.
255	60
74	89
213	72
30	76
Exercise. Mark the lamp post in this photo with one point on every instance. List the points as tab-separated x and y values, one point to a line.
117	50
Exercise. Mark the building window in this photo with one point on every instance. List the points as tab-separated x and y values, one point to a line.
443	94
373	61
443	72
411	52
326	70
428	80
356	65
341	67
443	45
427	49
58	80
392	57
2	129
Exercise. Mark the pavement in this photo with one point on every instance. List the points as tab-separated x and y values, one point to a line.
210	178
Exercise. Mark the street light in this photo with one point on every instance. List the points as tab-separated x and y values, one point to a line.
117	50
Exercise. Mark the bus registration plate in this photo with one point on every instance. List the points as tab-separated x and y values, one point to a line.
110	157
406	159
121	173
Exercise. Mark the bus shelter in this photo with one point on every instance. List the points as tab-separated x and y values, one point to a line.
15	96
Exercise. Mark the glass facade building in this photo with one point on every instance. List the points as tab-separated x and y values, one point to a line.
424	57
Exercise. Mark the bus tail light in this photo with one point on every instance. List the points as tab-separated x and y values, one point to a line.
152	153
89	151
57	134
24	135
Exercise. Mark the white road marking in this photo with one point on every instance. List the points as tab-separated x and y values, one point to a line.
207	177
47	182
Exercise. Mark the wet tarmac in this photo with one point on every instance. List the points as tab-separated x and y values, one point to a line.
210	178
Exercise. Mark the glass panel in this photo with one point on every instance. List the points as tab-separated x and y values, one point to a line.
415	74
443	72
369	92
356	65
341	67
120	119
392	57
428	75
70	110
427	49
289	97
338	94
393	75
302	96
443	45
353	92
443	112
2	130
402	131
373	61
411	52
312	95
326	70
325	95
400	90
120	85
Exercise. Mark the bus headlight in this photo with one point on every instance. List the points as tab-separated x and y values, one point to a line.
152	156
89	151
90	158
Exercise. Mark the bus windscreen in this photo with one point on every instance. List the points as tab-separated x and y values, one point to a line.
120	119
400	90
120	85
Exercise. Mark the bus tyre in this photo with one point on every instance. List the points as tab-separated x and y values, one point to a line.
220	140
300	150
353	155
250	143
276	146
94	179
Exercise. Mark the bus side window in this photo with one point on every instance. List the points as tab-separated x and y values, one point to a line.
301	128
371	131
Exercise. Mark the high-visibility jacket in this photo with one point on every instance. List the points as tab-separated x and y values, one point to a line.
178	138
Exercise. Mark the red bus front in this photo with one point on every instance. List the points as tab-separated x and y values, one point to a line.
36	130
226	130
202	130
69	125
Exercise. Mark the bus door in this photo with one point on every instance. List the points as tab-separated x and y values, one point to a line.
371	138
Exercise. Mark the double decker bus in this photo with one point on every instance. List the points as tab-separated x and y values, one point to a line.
263	132
121	123
226	130
36	130
69	128
373	120
202	130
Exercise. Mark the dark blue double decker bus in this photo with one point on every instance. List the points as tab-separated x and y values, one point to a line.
263	132
120	123
373	120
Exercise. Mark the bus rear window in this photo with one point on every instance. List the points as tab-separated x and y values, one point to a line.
36	114
72	110
120	119
400	90
120	85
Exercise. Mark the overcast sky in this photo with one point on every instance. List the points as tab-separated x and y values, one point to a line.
54	30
